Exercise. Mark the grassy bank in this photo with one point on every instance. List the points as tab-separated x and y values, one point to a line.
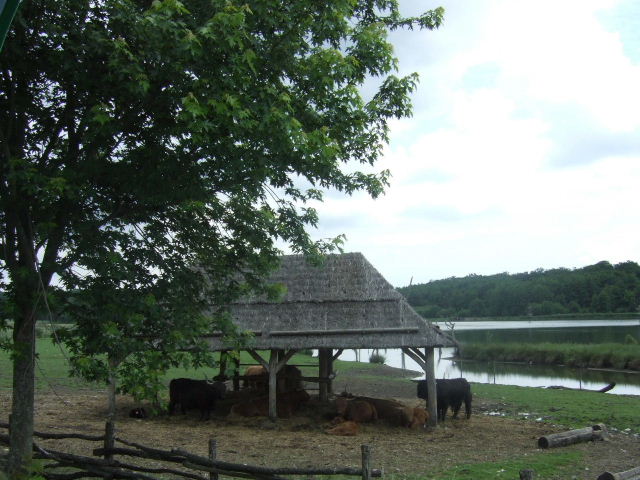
605	355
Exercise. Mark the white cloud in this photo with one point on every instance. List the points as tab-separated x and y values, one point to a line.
510	91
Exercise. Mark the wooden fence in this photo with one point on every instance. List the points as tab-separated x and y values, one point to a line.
66	466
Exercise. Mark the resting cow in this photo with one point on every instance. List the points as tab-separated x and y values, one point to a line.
360	411
345	429
191	394
449	393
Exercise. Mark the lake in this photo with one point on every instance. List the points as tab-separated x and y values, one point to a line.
555	331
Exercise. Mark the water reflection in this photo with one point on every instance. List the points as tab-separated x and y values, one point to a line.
528	375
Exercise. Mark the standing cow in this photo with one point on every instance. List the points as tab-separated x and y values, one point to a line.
449	393
191	394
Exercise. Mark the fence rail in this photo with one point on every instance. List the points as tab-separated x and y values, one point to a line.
104	464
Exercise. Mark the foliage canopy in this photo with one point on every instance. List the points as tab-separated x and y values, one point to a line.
141	138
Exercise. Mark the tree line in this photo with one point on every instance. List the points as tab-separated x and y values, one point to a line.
599	288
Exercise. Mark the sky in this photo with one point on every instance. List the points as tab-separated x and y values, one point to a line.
523	151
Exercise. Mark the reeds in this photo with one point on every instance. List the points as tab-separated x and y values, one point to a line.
603	355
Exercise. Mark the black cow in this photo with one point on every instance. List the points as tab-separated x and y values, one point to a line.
200	394
449	393
138	412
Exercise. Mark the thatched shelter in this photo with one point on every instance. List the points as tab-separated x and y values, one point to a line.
344	303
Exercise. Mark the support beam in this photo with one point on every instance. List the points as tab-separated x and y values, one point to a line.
324	359
430	373
277	360
273	371
256	356
427	363
236	373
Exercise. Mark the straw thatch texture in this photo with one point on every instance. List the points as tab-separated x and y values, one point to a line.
343	303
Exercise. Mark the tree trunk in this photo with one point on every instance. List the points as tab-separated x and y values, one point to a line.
21	428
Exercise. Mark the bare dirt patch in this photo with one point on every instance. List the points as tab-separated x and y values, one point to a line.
300	441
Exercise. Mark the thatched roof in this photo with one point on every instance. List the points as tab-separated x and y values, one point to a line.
343	303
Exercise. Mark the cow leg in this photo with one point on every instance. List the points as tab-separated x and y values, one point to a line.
456	408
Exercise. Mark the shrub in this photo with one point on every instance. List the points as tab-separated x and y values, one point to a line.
377	357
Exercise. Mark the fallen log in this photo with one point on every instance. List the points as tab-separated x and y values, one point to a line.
633	474
602	390
562	439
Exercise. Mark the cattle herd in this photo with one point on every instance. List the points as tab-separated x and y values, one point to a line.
349	411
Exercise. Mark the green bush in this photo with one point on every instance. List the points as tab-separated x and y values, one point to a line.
377	357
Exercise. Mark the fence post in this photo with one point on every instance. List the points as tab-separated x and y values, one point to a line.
213	451
109	439
366	462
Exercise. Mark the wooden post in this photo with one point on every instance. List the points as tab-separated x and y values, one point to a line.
213	451
109	439
330	372
236	373
366	462
430	373
527	474
323	373
273	371
427	361
633	474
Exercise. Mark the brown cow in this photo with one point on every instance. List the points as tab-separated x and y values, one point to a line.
360	411
258	379
288	379
420	417
347	429
341	403
396	413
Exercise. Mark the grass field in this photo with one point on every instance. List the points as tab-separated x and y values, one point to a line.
566	407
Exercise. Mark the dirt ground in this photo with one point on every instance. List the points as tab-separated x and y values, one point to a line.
300	441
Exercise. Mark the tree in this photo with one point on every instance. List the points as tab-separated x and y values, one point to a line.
139	139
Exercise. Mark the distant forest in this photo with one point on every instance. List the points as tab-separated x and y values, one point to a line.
599	288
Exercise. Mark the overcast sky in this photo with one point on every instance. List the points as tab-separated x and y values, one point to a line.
524	148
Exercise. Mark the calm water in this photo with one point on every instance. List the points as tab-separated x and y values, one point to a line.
575	331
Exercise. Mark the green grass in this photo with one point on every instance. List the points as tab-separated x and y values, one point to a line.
52	368
545	464
603	355
573	409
